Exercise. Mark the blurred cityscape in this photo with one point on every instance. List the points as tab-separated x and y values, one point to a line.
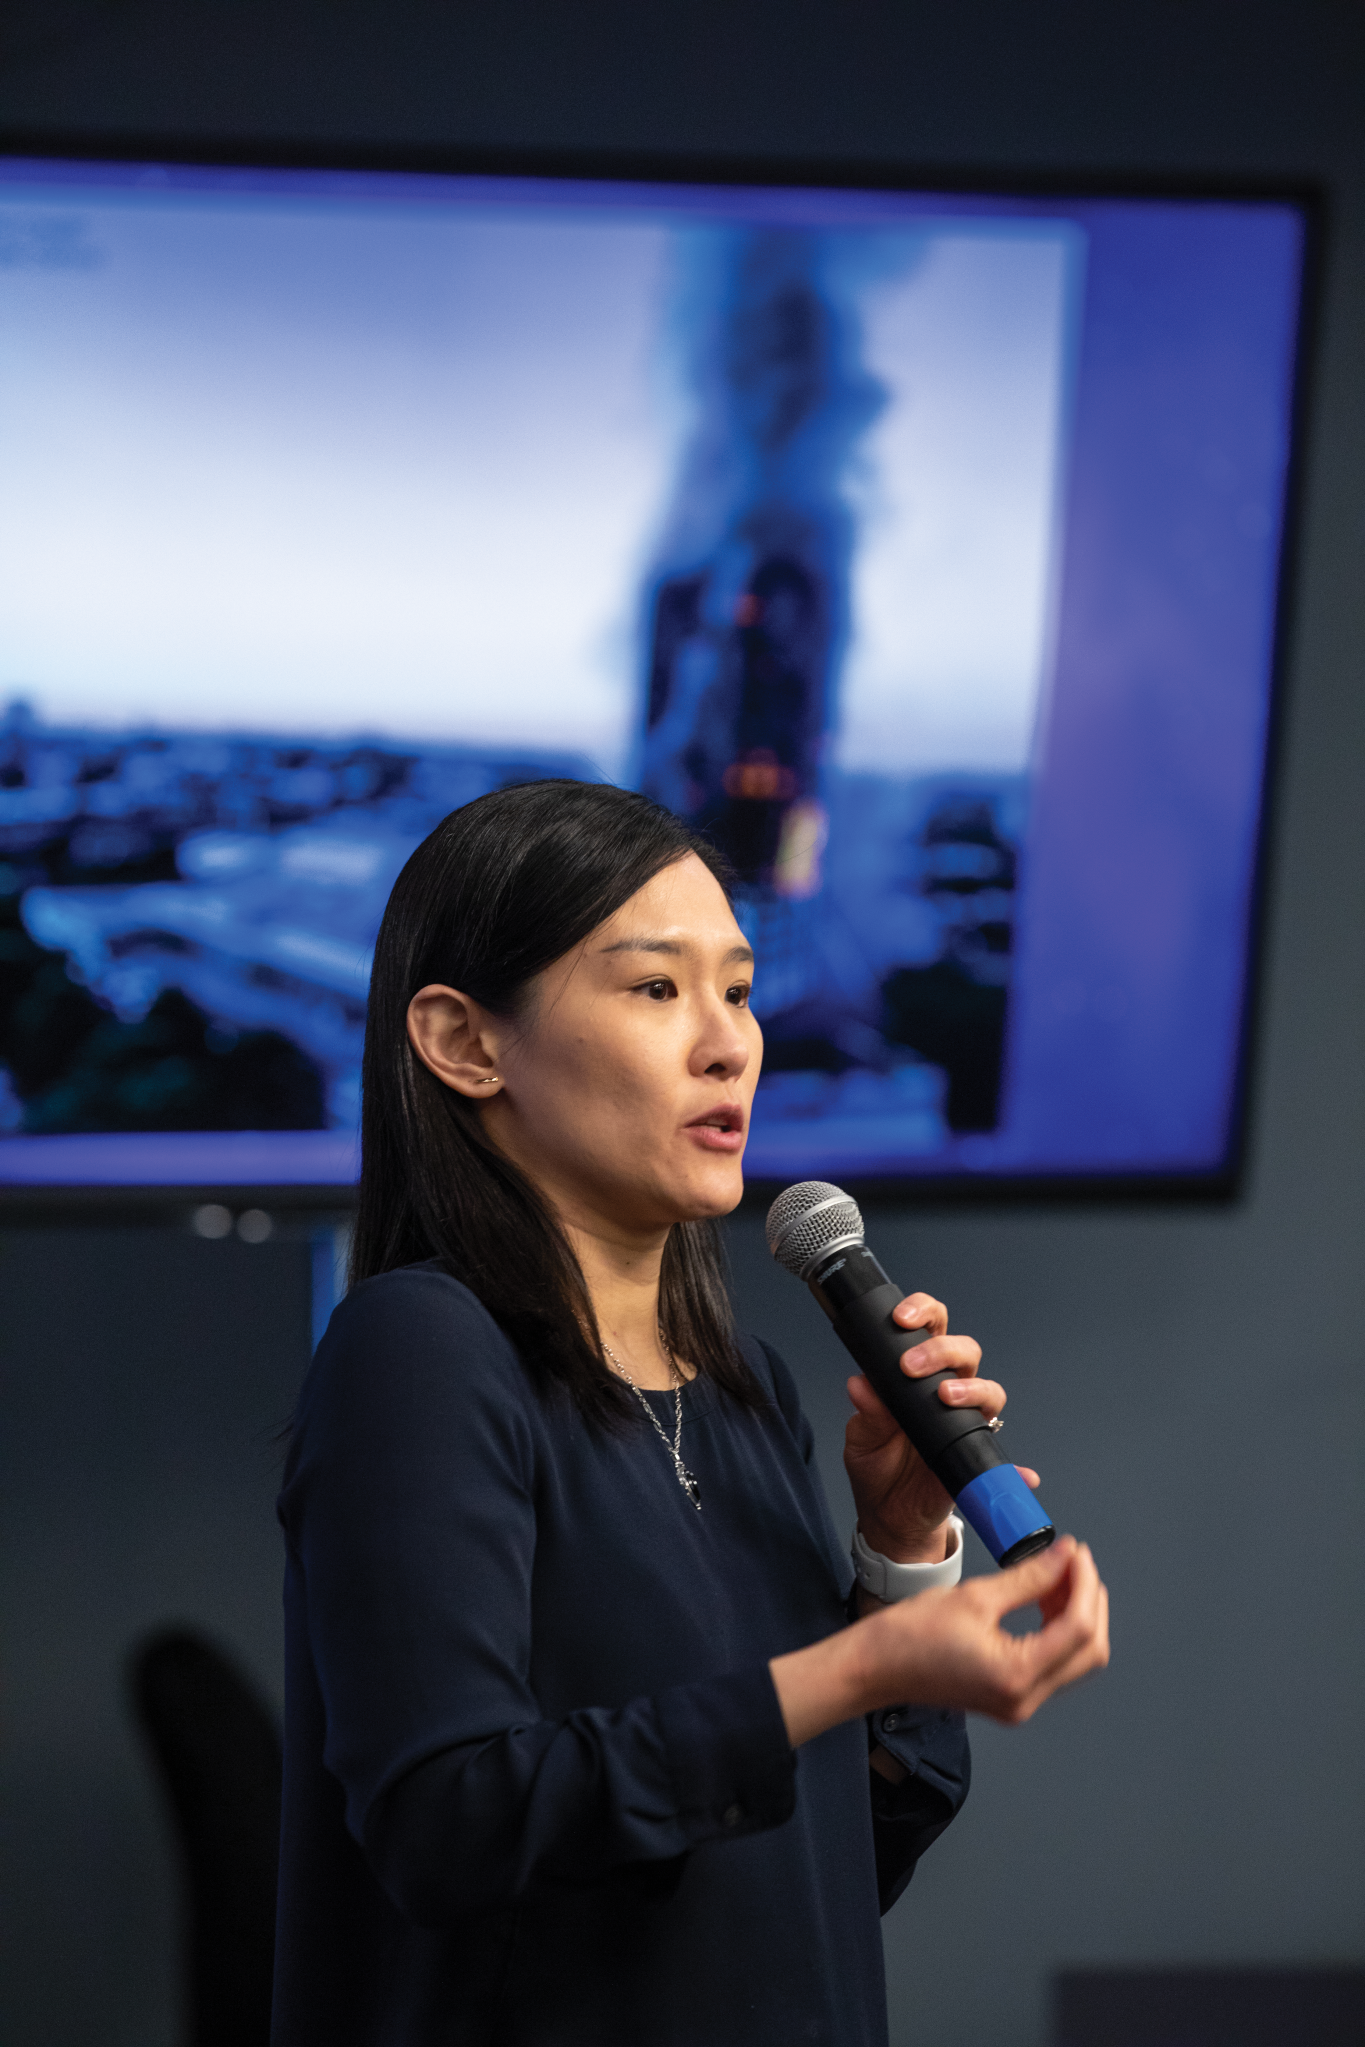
186	925
186	921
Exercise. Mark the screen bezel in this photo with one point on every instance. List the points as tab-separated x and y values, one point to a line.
1222	1184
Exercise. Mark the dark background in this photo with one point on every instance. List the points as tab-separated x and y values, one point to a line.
1189	1379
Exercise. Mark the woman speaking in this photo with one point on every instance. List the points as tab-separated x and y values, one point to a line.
585	1745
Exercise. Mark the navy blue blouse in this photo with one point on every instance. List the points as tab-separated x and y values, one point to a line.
537	1788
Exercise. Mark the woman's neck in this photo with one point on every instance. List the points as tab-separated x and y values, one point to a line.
623	1284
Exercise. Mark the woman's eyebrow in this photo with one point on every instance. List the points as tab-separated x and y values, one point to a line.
673	948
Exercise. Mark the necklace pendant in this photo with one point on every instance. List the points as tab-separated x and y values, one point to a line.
691	1485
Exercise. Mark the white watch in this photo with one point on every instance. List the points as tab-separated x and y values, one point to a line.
891	1582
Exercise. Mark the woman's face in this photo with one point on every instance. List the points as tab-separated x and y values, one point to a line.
625	1089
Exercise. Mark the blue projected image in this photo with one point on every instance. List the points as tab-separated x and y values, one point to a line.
278	861
834	521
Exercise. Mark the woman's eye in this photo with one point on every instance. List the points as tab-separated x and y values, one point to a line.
658	991
739	995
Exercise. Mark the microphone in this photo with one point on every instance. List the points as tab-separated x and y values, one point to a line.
816	1232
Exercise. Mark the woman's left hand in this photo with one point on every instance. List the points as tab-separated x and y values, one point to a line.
902	1508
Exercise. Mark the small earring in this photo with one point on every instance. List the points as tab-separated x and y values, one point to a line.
492	1078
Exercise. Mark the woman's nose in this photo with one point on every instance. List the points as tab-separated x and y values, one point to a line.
723	1047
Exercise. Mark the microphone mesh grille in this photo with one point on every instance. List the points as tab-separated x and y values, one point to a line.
807	1217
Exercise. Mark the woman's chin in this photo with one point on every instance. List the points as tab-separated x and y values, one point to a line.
714	1191
678	1189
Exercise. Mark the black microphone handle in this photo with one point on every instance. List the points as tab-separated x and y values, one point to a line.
955	1442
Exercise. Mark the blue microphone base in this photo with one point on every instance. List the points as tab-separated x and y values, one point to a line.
1006	1515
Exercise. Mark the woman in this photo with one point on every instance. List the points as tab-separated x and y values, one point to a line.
581	1747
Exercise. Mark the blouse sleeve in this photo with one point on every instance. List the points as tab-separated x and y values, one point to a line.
408	1508
929	1742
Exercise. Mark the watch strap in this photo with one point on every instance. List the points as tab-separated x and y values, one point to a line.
892	1582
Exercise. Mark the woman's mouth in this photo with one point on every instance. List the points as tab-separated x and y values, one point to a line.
718	1130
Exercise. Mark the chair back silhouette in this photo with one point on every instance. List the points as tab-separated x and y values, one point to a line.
218	1754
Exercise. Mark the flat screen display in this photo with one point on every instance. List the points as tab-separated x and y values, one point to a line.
923	548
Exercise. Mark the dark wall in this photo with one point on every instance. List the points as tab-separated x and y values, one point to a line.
144	1378
1189	1380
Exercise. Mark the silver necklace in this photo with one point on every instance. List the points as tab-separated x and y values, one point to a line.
688	1480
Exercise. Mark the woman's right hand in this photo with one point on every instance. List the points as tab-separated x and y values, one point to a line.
949	1649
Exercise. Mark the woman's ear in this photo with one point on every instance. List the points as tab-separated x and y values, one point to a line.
449	1033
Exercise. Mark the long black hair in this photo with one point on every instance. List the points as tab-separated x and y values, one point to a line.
500	890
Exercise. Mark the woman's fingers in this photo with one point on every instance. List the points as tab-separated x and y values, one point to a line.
1075	1622
1073	1610
983	1393
959	1354
1029	1583
1055	1602
921	1311
1074	1641
987	1395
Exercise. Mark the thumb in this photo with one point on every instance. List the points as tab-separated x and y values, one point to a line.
873	1423
868	1401
1024	1584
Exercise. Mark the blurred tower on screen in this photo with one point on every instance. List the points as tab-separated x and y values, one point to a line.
748	600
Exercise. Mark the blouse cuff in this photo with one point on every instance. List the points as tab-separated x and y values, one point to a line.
930	1742
732	1766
